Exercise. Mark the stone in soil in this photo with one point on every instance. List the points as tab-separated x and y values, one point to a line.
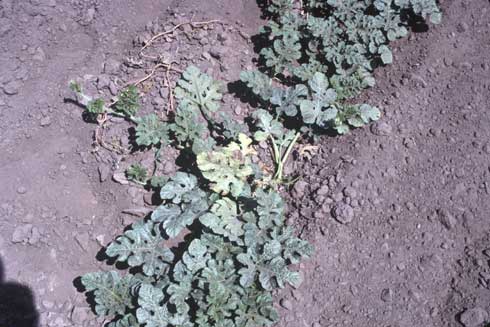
473	317
343	213
22	233
446	219
12	88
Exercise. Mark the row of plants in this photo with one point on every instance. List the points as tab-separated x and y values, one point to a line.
226	207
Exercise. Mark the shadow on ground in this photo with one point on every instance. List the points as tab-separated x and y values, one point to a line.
17	308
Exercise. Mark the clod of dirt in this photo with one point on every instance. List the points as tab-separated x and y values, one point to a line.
45	121
322	191
381	129
80	315
386	295
299	189
446	219
343	213
112	66
120	177
22	233
473	317
286	304
104	172
12	87
22	190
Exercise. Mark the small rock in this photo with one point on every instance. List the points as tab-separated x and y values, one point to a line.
113	88
386	295
112	66
79	315
448	61
343	213
486	252
22	190
104	172
462	27
35	236
446	219
48	304
473	317
102	82
12	88
45	121
286	304
39	55
101	239
90	15
215	53
22	233
120	177
418	80
299	189
381	129
323	190
350	192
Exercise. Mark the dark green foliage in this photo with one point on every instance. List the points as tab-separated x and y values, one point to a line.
325	52
150	130
137	173
96	107
128	102
238	248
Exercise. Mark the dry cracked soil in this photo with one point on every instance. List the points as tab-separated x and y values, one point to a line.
399	213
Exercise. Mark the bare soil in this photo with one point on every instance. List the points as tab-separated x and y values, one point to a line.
398	212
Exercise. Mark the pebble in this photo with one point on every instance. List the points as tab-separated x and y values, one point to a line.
104	172
120	177
45	121
462	27
350	192
79	315
112	66
39	55
22	190
286	304
12	88
446	219
102	82
343	213
299	189
386	295
381	129
22	233
113	88
473	317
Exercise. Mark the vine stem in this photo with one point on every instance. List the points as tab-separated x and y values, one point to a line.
281	161
173	29
84	100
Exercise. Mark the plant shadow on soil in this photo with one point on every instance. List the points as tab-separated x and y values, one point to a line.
17	308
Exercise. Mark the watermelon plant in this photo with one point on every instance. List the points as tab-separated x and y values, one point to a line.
322	55
238	247
228	209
